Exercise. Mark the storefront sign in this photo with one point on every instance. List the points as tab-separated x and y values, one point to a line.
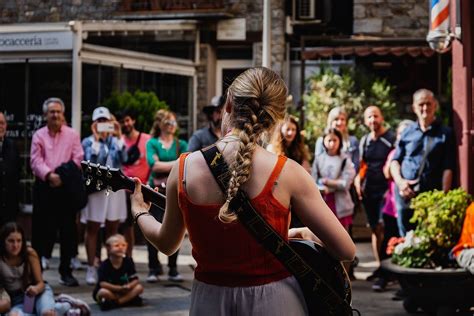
231	30
36	41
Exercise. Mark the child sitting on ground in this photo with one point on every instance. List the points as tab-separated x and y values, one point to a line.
117	283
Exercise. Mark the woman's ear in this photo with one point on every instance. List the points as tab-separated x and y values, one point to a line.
228	106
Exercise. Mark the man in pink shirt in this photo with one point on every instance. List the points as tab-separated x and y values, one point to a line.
136	166
54	149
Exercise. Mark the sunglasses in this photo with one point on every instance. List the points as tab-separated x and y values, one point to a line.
170	122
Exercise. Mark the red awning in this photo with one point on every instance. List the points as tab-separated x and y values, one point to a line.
324	52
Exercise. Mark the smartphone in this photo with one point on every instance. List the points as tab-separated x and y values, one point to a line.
105	127
28	304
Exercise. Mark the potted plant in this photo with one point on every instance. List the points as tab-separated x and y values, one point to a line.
421	260
438	217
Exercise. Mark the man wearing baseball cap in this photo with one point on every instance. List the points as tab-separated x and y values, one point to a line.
210	134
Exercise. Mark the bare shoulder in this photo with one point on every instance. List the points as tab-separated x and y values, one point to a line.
295	177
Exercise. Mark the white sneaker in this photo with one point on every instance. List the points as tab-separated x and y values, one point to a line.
76	264
152	278
44	263
91	275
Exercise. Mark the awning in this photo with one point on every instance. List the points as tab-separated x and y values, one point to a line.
324	52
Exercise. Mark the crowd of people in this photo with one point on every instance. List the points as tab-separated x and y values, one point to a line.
382	171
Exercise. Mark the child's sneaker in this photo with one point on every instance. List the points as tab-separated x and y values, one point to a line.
136	301
91	275
106	305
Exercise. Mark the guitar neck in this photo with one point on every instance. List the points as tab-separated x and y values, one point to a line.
157	199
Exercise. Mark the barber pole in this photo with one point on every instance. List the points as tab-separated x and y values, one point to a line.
439	15
439	36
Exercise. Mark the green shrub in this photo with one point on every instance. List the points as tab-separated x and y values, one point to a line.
439	218
143	103
328	89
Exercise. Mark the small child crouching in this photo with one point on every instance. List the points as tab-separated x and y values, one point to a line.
117	283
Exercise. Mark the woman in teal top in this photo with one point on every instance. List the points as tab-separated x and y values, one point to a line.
162	150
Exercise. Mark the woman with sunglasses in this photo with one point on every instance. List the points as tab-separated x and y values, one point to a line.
162	151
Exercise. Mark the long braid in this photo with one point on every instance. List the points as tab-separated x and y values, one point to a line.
258	97
239	169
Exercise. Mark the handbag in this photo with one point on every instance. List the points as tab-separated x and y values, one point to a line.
133	153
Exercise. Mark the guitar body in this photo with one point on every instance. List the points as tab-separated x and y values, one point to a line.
330	271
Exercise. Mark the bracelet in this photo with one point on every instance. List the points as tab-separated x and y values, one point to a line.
135	218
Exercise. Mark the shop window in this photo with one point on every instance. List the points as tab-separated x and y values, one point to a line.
100	81
23	89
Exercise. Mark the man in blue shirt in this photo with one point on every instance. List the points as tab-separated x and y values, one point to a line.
424	158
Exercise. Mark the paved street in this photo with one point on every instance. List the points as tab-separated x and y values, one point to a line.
166	298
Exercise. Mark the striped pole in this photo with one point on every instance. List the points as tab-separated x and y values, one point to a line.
439	15
439	36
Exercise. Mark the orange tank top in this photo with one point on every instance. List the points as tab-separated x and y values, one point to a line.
226	254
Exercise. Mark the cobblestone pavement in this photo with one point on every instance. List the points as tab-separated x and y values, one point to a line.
167	298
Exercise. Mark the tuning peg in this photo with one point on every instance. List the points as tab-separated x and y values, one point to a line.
98	185
98	172
108	190
88	180
108	174
89	168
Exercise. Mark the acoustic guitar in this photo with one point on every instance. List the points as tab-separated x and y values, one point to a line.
330	270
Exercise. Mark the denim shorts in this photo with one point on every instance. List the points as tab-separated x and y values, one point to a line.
43	302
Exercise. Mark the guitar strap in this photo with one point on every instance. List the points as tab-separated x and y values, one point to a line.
271	240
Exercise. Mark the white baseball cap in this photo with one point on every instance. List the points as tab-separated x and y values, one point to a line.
101	112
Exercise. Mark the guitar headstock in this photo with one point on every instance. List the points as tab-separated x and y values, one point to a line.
104	177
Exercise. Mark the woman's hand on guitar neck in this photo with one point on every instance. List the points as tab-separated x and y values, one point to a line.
138	203
304	233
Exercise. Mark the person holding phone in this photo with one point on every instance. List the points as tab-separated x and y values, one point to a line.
106	147
20	274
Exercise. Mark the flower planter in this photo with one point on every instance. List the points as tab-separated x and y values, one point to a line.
438	292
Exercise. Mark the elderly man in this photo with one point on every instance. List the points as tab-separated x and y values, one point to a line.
54	149
9	175
424	158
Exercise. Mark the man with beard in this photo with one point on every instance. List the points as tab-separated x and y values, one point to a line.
371	183
210	134
136	165
9	175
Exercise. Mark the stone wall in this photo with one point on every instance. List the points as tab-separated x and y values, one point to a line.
29	11
253	11
391	18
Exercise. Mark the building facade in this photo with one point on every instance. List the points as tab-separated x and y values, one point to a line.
188	51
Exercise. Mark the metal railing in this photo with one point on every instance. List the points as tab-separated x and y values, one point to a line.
171	5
